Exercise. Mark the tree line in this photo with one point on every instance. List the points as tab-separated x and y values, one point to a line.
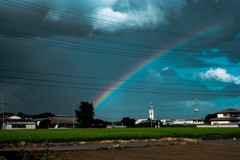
29	116
85	118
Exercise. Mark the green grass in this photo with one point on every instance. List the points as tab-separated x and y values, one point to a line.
68	135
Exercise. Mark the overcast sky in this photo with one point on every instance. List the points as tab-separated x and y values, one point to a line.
120	55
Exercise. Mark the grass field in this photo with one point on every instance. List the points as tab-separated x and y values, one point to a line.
68	135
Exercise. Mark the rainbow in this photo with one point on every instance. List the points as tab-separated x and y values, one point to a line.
107	94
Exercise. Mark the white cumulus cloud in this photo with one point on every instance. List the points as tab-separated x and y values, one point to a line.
117	15
221	75
129	13
166	68
154	73
108	18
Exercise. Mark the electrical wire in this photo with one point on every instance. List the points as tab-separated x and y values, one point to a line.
112	80
50	30
93	50
89	87
102	22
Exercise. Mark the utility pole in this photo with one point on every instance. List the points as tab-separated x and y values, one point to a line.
196	110
73	112
3	115
158	125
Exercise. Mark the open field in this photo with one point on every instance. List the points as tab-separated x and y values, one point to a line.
71	135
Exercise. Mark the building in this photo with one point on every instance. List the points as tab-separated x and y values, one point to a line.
227	116
193	121
15	122
181	121
167	121
57	122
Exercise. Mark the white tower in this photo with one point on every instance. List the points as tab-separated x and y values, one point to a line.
151	112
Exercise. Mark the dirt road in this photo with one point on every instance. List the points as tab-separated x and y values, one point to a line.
220	150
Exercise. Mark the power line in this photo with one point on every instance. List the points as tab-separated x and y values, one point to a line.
106	79
99	48
79	35
87	11
50	30
96	51
103	20
108	89
113	24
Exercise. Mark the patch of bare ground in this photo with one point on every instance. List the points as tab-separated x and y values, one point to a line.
202	151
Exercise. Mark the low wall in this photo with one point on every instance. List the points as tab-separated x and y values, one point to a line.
215	126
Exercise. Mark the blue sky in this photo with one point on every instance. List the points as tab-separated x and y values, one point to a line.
54	53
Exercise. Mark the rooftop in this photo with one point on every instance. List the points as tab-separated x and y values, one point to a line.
229	111
17	120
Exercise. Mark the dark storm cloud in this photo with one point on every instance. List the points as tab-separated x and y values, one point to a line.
16	101
207	13
85	17
42	18
230	49
163	24
202	16
51	18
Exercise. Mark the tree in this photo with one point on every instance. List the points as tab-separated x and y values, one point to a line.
128	122
7	114
208	117
20	114
85	114
98	123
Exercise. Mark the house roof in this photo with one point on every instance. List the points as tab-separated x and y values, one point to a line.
66	120
27	123
19	121
226	119
228	111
